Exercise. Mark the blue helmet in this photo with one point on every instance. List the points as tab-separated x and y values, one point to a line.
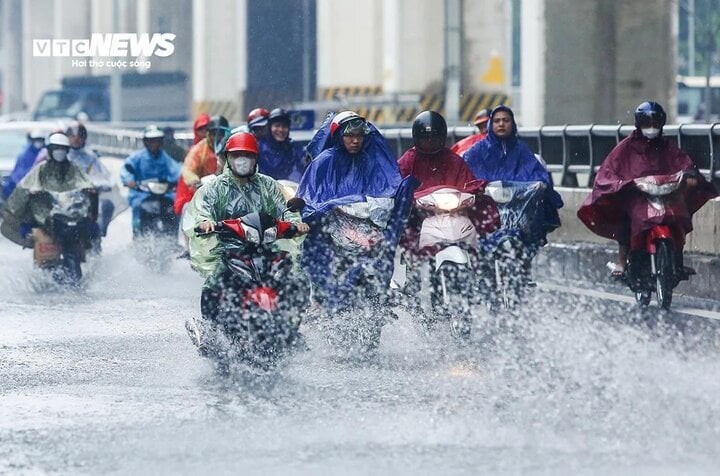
650	114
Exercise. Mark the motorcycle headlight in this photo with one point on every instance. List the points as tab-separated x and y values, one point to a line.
657	190
251	234
447	201
270	235
158	188
499	193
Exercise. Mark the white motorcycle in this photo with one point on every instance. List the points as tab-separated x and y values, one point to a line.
445	260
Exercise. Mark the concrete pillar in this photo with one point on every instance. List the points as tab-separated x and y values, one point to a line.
350	43
486	30
12	85
586	61
531	112
219	40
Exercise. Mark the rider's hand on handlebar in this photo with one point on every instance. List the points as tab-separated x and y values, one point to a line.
131	184
302	228
194	185
691	181
207	227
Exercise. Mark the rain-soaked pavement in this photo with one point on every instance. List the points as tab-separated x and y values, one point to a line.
105	381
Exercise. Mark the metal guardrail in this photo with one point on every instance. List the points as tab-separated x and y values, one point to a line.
573	153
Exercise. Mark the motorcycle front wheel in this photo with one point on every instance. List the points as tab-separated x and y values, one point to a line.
665	273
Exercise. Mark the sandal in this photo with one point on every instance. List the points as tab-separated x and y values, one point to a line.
618	272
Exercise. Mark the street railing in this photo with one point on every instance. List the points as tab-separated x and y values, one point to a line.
573	153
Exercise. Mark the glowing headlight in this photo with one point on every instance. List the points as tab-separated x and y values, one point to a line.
447	201
158	188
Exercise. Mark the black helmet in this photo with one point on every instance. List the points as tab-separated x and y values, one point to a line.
432	126
650	114
279	115
218	122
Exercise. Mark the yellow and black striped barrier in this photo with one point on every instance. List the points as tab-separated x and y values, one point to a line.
470	104
229	109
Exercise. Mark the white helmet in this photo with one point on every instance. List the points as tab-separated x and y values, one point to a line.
58	140
36	134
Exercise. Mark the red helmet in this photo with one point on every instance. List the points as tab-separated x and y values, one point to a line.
482	117
258	117
342	118
243	141
201	121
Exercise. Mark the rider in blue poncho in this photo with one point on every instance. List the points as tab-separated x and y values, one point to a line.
280	157
24	161
502	156
354	164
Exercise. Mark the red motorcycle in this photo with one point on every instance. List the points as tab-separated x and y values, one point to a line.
262	300
660	219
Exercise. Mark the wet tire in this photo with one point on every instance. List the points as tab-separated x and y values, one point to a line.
665	278
643	298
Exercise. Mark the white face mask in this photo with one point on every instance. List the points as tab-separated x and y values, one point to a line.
650	132
59	155
243	166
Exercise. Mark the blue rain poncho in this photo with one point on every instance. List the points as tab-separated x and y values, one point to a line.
512	160
336	177
281	160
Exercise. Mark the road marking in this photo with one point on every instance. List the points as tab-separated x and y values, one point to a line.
621	298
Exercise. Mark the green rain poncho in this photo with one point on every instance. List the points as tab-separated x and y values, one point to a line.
222	199
20	208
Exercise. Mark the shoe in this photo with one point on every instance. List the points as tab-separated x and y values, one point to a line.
617	271
184	255
686	272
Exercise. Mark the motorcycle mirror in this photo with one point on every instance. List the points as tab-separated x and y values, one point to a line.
295	204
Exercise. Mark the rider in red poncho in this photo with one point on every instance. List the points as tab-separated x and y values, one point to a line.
644	152
434	165
481	122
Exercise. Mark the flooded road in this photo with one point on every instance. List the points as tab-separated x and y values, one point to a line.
105	381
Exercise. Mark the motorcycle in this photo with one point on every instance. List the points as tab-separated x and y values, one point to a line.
155	239
449	238
259	307
157	217
510	249
60	244
659	217
355	233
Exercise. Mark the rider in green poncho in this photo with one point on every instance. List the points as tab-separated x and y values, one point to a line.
237	191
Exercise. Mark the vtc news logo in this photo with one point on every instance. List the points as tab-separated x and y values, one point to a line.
108	45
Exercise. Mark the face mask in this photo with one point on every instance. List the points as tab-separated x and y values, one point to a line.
38	144
650	132
59	155
243	166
